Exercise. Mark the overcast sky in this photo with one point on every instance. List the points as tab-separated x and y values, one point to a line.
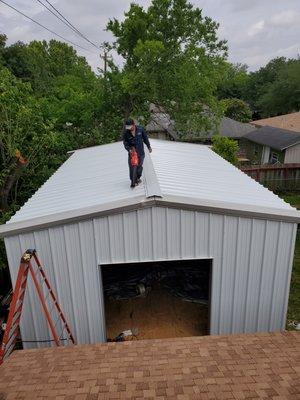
256	30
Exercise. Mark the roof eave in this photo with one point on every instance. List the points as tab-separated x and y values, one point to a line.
140	202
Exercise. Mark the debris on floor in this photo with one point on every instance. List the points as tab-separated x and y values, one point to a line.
159	315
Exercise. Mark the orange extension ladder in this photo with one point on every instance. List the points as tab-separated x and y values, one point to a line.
49	306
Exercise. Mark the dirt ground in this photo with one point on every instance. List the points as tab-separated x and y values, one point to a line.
159	315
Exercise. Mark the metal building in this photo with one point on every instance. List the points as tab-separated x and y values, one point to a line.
192	205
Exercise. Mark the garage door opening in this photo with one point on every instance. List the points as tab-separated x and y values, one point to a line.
157	300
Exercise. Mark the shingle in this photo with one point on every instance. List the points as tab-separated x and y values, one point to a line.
276	138
171	368
288	121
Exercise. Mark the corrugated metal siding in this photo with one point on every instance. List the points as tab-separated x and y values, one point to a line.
252	261
90	177
195	171
292	154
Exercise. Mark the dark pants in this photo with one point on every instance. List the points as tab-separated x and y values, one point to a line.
135	172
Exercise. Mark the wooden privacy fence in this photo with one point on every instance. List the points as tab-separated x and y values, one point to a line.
276	177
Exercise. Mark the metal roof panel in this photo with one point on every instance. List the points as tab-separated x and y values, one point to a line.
97	178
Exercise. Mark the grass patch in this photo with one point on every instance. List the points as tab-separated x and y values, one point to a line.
293	314
292	199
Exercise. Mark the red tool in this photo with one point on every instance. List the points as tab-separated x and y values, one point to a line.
134	159
49	306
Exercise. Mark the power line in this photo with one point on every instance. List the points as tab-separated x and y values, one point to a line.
57	16
49	30
61	17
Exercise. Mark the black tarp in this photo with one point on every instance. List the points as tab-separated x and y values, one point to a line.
190	283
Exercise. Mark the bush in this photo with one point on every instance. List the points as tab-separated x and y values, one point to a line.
226	148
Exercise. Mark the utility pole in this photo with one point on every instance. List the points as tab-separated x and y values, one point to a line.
105	61
106	48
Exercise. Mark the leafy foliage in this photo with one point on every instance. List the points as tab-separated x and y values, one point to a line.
172	58
226	148
237	109
283	94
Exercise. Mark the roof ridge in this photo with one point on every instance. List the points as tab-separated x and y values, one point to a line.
151	183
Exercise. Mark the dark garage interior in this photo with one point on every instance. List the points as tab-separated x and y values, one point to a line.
154	300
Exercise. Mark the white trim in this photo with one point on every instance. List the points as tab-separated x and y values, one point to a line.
138	202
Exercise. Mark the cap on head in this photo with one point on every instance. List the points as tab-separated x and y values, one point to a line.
129	123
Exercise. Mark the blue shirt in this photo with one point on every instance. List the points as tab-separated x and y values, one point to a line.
137	141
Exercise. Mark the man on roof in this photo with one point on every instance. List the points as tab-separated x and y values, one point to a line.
134	137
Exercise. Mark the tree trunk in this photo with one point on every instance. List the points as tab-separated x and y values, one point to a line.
15	172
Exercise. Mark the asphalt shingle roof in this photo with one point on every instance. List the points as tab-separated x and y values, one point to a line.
276	138
208	367
288	121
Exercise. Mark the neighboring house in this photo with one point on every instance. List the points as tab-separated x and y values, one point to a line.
160	125
290	122
269	145
228	127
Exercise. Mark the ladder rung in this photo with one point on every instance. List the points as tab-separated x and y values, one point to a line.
16	318
19	307
13	330
8	350
11	341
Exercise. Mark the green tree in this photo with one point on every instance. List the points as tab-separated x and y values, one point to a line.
172	58
282	96
236	109
233	82
226	148
274	88
24	135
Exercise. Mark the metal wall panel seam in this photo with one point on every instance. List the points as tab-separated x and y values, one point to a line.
110	238
167	232
100	285
209	235
196	226
124	238
274	276
288	276
237	247
70	282
138	233
261	274
248	275
180	234
152	233
221	272
83	263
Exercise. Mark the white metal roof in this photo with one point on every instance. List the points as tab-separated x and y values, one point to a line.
97	178
195	171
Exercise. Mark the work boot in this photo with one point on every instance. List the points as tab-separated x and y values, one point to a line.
138	181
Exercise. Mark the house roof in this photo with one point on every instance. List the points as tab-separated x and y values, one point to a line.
209	367
160	121
95	180
232	129
228	127
279	139
288	121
